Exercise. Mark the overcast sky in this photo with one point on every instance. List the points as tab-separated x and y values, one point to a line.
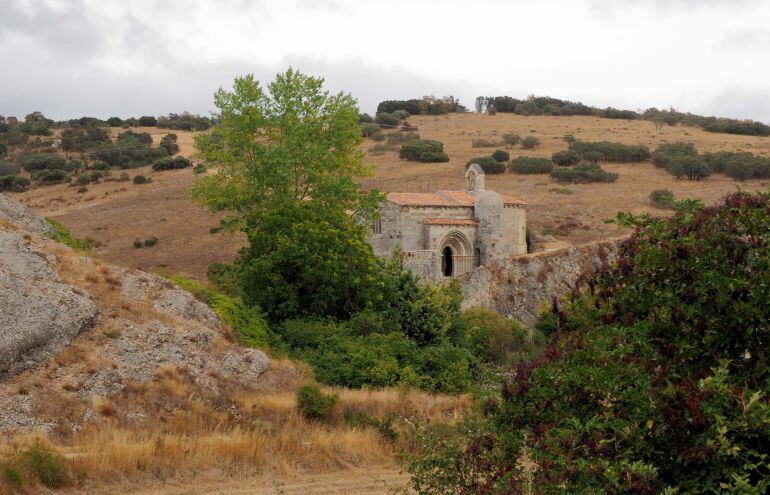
70	58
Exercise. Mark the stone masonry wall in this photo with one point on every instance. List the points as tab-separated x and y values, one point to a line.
530	281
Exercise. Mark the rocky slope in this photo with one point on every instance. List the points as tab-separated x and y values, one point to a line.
75	332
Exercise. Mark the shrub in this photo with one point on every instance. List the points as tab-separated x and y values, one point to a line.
501	156
530	142
378	137
692	167
150	241
662	198
43	161
565	158
732	126
83	179
365	118
499	340
582	173
49	177
46	465
569	138
171	163
100	165
400	114
148	121
14	183
413	107
611	151
593	156
387	119
423	150
169	144
370	130
651	383
511	139
488	164
124	177
483	143
141	179
138	244
199	169
530	165
82	190
313	403
97	175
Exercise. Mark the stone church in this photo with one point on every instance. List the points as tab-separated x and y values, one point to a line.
448	233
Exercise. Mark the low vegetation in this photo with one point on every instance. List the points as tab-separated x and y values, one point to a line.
488	164
681	159
424	150
583	173
566	158
530	165
610	151
171	163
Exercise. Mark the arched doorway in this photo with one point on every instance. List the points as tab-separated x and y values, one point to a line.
447	263
456	254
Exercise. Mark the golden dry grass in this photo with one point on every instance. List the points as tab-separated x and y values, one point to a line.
256	434
115	214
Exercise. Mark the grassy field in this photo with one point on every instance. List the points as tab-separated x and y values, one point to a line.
114	214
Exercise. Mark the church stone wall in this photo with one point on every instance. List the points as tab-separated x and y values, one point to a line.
425	264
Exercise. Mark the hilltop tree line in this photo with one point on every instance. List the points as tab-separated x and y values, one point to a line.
543	105
429	105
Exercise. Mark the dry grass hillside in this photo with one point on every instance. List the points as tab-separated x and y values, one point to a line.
115	214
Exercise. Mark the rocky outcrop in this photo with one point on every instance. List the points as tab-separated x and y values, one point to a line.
72	325
22	217
38	312
528	282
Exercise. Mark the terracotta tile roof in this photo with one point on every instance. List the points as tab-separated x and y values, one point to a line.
462	198
451	221
507	200
442	198
418	199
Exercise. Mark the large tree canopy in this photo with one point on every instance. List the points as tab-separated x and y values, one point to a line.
282	144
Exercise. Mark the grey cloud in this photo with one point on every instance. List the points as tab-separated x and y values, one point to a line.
739	102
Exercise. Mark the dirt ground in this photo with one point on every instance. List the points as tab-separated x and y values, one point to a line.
355	481
115	214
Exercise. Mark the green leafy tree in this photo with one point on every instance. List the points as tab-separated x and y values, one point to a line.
280	146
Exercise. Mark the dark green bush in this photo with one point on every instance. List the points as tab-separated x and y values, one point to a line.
185	122
423	150
14	183
662	198
99	165
593	156
654	381
313	403
566	158
141	179
83	138
171	163
583	173
732	126
48	177
413	107
387	119
530	165
499	340
530	142
378	137
169	144
150	241
488	164
501	156
147	121
400	114
42	161
611	151
365	118
83	179
199	169
692	167
138	244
